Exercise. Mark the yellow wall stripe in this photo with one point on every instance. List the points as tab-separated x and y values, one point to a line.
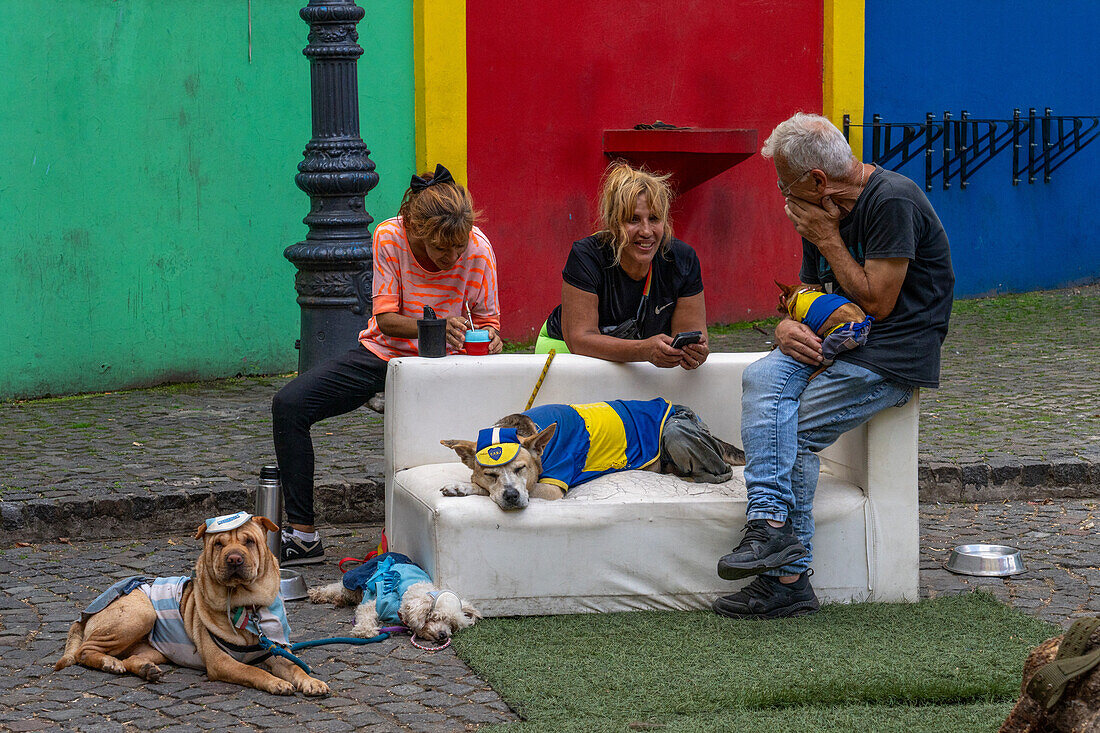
843	60
439	60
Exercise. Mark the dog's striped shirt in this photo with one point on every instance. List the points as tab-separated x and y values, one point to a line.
169	635
599	438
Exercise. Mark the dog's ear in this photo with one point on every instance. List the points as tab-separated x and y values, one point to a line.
784	296
537	443
466	450
200	531
469	611
414	608
266	523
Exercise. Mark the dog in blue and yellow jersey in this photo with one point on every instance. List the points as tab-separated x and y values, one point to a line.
841	324
543	452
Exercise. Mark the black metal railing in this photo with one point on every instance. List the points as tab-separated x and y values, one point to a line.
967	144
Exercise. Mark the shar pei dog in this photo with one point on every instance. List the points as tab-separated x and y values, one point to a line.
225	619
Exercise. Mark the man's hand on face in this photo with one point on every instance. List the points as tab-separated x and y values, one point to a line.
819	224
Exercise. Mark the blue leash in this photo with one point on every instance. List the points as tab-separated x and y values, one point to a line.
339	640
280	651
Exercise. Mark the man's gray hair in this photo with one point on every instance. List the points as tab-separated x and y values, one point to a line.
807	141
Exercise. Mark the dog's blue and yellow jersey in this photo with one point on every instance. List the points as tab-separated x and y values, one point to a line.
599	438
814	308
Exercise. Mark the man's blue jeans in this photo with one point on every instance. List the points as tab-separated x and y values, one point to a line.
786	419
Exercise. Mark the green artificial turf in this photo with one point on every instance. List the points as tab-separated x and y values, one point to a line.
958	718
941	664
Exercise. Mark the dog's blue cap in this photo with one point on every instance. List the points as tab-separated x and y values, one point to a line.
227	522
497	446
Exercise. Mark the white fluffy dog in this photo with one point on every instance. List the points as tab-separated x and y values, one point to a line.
390	589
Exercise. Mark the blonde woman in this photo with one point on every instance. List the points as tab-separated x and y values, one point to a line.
630	287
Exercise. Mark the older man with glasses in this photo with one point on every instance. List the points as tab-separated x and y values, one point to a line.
872	236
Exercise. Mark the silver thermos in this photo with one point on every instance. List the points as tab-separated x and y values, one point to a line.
269	503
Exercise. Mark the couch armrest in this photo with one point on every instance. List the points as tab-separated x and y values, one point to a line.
891	486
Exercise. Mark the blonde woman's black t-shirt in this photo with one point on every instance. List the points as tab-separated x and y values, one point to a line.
893	218
591	267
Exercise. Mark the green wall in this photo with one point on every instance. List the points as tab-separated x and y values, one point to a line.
147	191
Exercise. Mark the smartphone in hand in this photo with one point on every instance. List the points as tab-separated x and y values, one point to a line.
684	338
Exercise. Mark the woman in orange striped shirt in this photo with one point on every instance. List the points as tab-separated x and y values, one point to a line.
430	254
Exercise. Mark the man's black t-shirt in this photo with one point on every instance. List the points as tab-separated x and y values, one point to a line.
893	218
591	267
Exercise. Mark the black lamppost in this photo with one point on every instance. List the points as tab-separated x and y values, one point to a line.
334	261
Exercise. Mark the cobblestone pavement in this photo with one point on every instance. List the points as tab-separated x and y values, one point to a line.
1057	538
1018	416
387	686
391	686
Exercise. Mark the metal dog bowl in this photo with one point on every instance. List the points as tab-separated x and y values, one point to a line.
291	585
990	560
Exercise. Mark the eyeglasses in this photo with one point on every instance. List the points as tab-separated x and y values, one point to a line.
786	190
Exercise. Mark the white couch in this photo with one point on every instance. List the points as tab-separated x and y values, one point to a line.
634	540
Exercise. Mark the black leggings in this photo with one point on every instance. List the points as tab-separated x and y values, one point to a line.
333	388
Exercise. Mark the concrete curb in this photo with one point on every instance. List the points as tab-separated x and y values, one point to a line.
996	481
131	514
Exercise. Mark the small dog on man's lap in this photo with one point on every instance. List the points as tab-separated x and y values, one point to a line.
391	589
543	452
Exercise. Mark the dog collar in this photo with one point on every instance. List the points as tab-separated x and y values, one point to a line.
497	446
227	522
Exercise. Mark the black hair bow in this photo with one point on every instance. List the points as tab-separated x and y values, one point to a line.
441	175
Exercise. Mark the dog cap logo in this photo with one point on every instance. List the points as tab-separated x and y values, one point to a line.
227	522
497	446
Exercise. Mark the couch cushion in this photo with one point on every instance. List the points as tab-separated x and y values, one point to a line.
626	541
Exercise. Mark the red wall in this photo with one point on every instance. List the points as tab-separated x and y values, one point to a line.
546	79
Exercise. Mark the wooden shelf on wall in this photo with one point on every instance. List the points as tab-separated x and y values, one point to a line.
691	155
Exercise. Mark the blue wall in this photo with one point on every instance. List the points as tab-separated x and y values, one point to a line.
988	57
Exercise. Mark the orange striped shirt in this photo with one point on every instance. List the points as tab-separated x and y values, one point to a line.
401	285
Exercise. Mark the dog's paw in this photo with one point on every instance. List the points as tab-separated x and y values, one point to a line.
319	594
277	686
457	488
334	593
313	687
150	672
365	631
112	665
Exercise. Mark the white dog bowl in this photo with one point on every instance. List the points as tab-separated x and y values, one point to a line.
989	560
291	585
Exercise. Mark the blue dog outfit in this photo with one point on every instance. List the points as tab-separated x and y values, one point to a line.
384	579
590	441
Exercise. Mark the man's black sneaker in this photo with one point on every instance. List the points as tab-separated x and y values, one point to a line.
763	547
296	551
766	597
